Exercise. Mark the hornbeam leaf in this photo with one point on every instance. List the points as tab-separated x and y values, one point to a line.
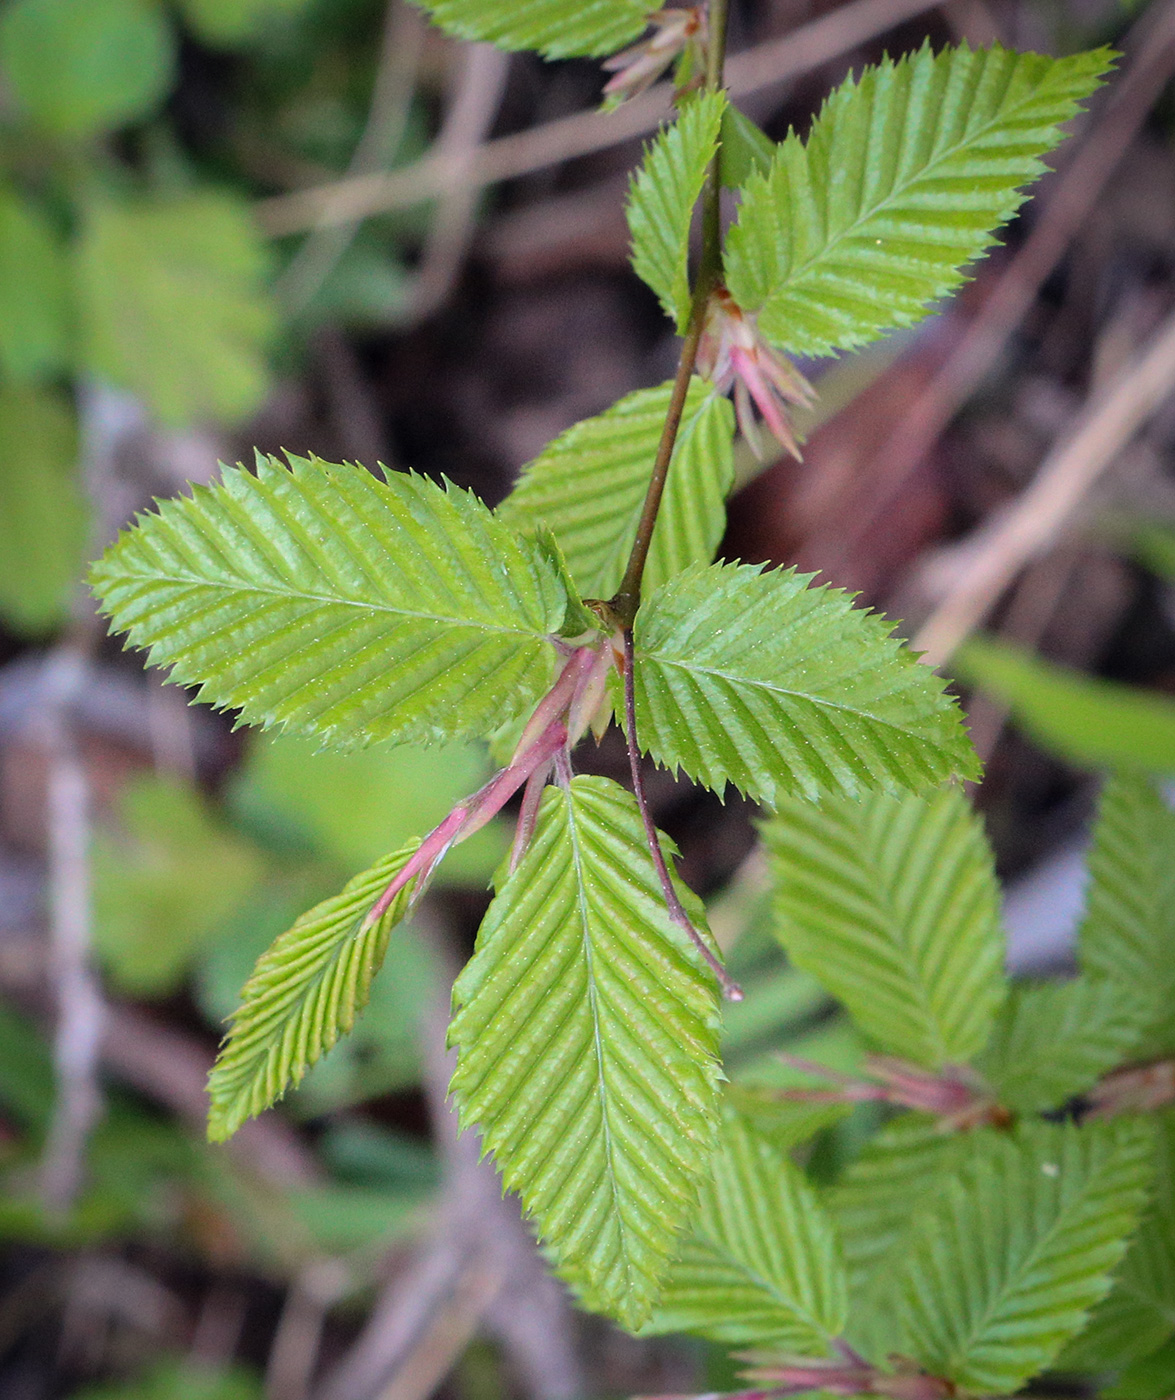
892	903
326	601
305	992
661	202
759	680
1016	1251
905	174
587	1027
1054	1040
556	28
588	487
762	1266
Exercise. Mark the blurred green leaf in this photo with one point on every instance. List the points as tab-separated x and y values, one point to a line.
172	304
341	1219
42	511
180	1380
34	292
231	22
81	67
745	149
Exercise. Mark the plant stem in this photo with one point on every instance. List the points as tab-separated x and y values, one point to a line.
730	989
628	596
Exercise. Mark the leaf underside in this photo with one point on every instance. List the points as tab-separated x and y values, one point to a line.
589	484
587	1028
760	680
905	174
323	600
304	993
892	904
556	29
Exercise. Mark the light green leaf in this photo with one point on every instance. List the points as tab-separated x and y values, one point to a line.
760	680
1054	1040
1093	722
1016	1251
81	67
587	1026
905	175
155	907
892	903
745	149
179	1380
762	1266
784	1123
661	202
304	993
34	292
42	510
331	603
227	23
556	28
172	304
589	485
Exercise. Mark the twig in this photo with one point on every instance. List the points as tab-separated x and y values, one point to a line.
294	1352
348	200
982	566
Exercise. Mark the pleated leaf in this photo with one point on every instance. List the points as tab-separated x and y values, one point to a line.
1017	1250
304	993
323	600
1054	1040
892	903
762	1266
661	202
905	175
556	28
587	1028
589	484
760	680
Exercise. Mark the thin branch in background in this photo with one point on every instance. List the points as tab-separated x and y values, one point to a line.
294	1353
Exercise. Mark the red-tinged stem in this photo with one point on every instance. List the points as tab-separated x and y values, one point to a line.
569	684
730	989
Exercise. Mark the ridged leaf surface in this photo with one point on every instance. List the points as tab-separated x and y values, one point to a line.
1017	1250
305	992
587	1027
892	903
905	175
326	601
762	1266
661	202
556	28
589	484
760	680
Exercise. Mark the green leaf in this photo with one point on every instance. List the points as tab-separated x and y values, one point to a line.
1016	1251
177	1380
172	304
43	515
587	1026
588	487
228	23
1145	1379
81	67
304	993
745	149
905	175
332	603
155	907
1054	1040
556	28
1092	722
762	1266
34	292
892	903
760	680
661	202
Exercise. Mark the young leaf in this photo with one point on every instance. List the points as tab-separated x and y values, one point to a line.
1016	1251
588	487
587	1025
762	1266
1088	720
744	148
892	903
335	604
34	293
556	28
1053	1040
661	202
904	176
304	993
759	680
